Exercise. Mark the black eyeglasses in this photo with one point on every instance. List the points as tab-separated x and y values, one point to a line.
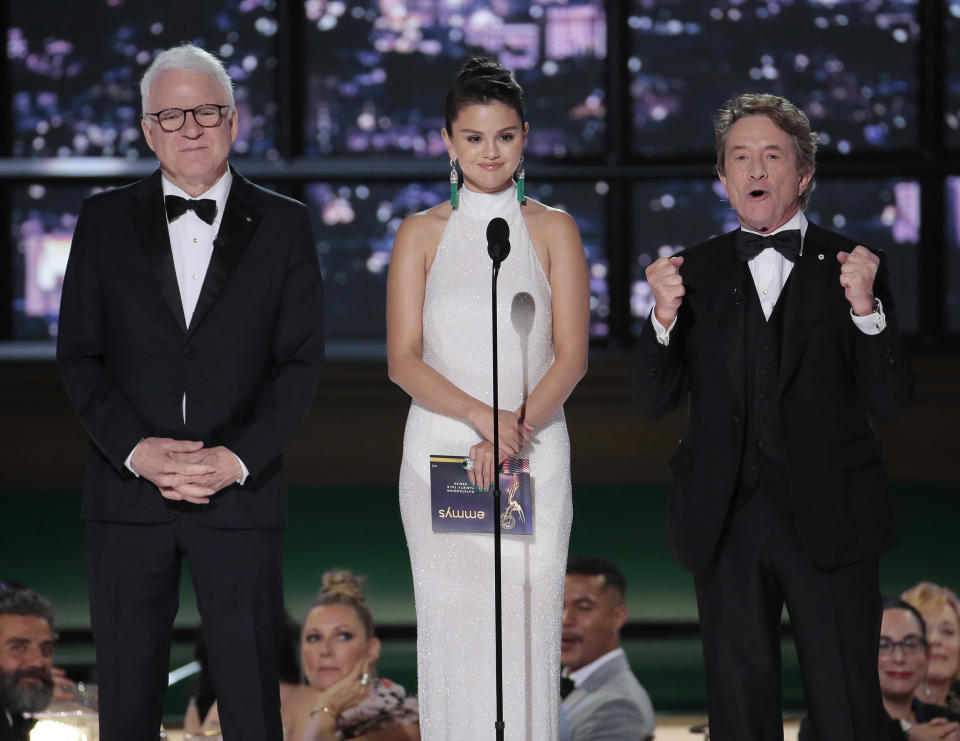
912	644
208	115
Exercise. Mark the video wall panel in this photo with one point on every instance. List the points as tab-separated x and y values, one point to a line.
851	66
377	73
76	83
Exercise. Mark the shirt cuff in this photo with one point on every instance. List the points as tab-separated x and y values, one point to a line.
126	463
871	324
663	333
246	472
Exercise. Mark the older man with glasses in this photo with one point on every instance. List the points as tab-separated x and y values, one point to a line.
190	342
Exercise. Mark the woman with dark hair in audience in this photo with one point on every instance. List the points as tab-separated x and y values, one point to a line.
902	659
439	351
941	611
343	697
902	663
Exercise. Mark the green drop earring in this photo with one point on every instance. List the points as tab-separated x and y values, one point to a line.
454	185
521	179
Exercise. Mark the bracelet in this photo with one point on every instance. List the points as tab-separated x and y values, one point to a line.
324	709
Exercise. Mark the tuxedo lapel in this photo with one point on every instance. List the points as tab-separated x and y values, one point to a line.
809	278
240	219
151	224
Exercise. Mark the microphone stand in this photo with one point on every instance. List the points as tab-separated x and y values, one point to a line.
497	587
498	247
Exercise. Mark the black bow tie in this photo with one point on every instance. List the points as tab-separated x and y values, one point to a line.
566	687
205	208
787	243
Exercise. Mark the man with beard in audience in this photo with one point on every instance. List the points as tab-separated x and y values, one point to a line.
26	660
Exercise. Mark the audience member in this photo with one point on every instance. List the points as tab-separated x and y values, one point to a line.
902	660
344	698
26	660
941	611
902	663
601	698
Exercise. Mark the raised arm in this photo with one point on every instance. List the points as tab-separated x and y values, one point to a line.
570	302
406	286
884	374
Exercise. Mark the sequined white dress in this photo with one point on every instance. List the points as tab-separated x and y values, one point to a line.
453	572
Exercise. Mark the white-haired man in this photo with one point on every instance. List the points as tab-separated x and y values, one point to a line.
190	342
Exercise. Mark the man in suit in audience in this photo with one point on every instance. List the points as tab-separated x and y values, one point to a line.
26	659
190	342
601	698
785	337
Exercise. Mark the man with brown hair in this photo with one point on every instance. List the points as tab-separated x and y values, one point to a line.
785	336
26	659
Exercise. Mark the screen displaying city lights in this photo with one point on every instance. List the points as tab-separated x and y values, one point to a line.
76	86
851	66
378	72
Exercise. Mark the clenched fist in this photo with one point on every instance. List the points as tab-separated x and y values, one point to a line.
663	275
857	271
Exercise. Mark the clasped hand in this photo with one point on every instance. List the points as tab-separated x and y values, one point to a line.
514	433
938	729
184	470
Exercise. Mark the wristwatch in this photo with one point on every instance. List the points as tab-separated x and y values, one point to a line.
906	726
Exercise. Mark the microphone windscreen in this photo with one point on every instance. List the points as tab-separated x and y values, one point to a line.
498	239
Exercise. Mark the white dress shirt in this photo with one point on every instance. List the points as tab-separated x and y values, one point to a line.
191	243
770	271
581	674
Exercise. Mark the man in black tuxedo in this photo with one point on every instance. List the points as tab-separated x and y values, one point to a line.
785	337
190	342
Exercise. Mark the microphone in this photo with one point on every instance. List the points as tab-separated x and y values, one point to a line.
498	240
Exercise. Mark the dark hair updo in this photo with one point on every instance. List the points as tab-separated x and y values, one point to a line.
482	81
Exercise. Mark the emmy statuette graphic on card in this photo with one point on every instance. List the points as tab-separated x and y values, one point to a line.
460	508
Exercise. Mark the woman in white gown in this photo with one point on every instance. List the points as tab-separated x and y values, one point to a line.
439	352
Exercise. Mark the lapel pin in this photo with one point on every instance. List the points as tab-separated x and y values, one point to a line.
820	256
249	218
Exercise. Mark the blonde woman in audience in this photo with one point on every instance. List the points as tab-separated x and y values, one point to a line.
941	611
343	697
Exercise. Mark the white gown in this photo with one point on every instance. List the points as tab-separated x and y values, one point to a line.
453	572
